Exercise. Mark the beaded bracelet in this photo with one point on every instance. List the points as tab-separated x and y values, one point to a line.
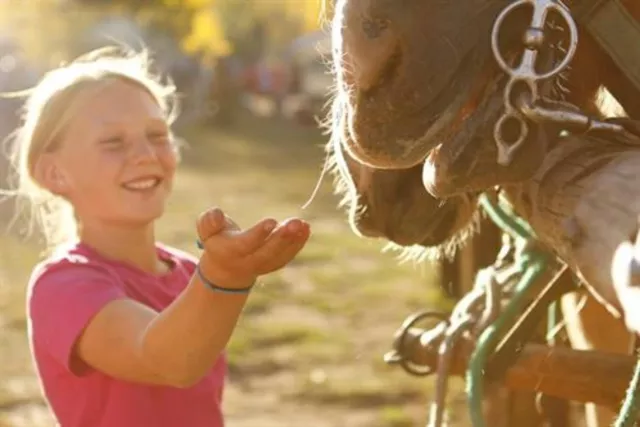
216	288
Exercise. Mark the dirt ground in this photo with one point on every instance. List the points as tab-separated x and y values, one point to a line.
308	350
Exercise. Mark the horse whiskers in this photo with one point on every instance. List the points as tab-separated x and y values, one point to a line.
316	188
329	124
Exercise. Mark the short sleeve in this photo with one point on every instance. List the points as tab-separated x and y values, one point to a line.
63	298
186	260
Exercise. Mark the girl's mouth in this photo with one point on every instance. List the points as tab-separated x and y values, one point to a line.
142	184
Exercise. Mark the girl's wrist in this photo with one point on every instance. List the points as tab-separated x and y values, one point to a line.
211	276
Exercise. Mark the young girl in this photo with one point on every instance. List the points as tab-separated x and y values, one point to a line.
125	331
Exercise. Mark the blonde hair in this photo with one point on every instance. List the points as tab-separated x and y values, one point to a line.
49	107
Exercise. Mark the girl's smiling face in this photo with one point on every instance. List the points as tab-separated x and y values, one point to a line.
115	161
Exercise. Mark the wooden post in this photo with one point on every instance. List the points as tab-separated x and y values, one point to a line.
578	375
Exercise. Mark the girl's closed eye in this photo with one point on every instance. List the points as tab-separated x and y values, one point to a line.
112	142
159	137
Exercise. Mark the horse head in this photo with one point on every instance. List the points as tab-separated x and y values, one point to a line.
421	88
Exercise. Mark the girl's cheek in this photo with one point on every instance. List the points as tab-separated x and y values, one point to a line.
170	162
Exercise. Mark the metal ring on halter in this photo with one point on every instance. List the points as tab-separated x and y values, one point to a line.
396	356
540	10
507	149
526	72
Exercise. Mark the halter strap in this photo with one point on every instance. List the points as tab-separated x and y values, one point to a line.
615	30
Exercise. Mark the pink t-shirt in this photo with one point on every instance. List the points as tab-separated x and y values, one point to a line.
65	291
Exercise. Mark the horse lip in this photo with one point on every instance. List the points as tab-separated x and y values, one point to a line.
441	119
384	161
415	153
434	220
437	128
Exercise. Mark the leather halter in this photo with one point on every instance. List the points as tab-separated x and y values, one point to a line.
615	30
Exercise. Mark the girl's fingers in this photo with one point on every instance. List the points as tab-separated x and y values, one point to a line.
248	241
261	249
210	222
281	247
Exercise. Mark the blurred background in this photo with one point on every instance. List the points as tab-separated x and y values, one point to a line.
254	82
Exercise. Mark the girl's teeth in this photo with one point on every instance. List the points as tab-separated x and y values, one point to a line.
142	185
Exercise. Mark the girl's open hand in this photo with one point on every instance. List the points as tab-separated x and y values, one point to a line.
234	257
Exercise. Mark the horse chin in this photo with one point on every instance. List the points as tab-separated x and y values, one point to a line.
433	248
439	236
408	228
435	235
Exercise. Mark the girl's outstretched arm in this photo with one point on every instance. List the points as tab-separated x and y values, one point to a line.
178	346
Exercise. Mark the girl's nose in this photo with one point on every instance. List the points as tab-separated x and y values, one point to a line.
142	150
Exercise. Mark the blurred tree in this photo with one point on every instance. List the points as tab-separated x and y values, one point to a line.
206	33
250	27
49	29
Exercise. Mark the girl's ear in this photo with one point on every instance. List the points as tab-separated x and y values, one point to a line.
49	174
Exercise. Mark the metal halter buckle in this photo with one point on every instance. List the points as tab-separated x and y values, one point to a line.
525	73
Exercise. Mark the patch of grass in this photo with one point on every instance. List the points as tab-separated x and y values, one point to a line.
341	241
239	345
322	302
257	304
315	252
334	349
394	416
354	391
270	334
310	342
328	278
270	287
